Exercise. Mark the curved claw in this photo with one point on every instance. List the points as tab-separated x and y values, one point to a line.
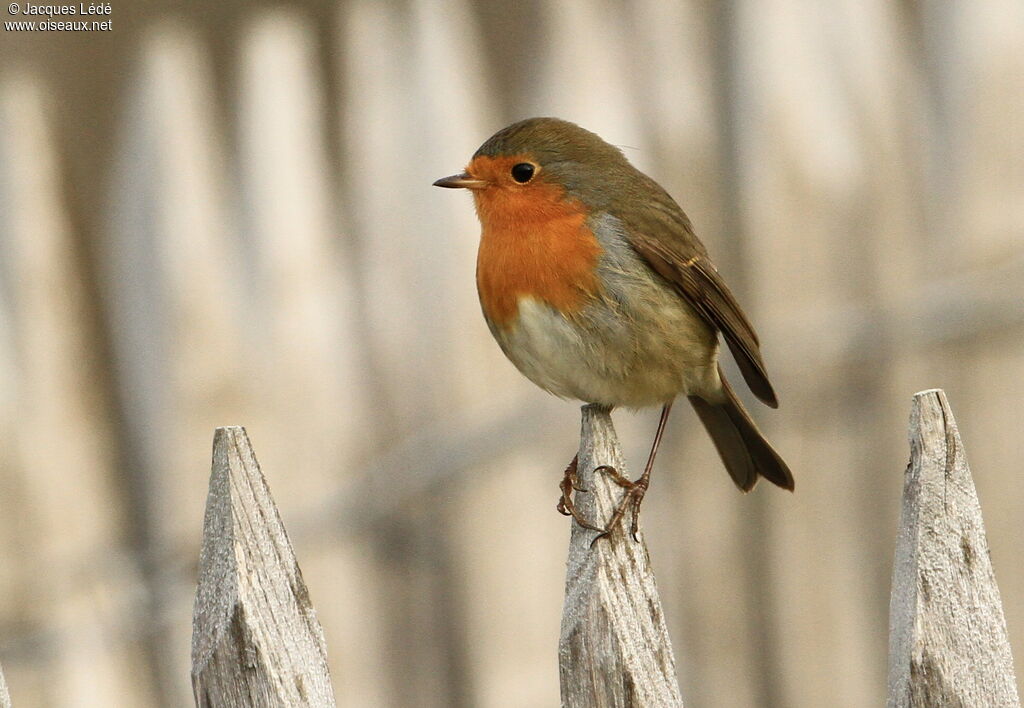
630	501
616	476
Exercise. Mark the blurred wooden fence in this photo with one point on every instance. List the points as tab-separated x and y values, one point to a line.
256	639
224	213
257	642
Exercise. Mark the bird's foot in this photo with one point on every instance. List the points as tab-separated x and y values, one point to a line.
635	492
570	482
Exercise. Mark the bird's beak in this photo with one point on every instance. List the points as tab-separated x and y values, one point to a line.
461	181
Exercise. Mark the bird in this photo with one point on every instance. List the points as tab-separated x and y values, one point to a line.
595	286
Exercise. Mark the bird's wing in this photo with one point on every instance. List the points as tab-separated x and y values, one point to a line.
663	236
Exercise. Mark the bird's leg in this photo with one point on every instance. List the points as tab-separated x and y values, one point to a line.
570	481
572	473
635	490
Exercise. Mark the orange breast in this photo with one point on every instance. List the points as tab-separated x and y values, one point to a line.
534	243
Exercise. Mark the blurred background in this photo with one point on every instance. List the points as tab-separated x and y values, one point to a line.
220	213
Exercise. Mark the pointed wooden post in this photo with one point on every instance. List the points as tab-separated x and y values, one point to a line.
947	635
255	637
614	648
5	698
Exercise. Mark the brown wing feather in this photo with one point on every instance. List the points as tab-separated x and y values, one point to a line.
663	236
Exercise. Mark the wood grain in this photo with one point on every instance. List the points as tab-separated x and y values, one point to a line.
255	637
614	648
947	635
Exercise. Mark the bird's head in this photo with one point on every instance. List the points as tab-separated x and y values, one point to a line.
538	164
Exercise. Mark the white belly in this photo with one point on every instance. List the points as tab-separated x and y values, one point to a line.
613	355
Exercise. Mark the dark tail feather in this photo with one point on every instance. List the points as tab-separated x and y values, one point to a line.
741	445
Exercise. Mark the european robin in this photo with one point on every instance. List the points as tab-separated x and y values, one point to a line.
595	286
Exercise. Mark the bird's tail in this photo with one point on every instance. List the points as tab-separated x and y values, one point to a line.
741	445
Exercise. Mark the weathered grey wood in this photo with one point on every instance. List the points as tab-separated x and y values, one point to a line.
255	637
947	635
5	698
614	648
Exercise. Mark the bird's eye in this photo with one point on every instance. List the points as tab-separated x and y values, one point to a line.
523	172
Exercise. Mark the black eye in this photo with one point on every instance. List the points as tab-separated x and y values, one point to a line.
523	172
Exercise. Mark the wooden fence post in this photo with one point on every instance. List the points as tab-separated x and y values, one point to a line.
947	635
5	698
614	648
255	637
